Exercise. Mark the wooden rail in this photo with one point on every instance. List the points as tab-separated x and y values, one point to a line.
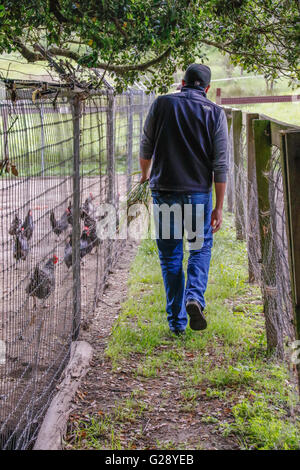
254	99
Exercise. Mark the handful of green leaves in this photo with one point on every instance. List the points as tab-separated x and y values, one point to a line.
139	194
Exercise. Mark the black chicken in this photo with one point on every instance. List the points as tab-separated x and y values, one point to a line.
91	224
86	245
28	225
88	207
15	226
68	252
70	213
42	281
21	248
59	226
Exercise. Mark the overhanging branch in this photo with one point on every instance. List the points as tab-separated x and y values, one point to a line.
113	67
54	8
29	55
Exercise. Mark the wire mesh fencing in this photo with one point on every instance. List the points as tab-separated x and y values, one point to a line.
260	219
275	258
71	157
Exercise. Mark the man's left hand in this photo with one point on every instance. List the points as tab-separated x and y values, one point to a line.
216	219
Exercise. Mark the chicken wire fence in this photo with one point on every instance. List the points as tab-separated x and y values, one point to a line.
275	260
265	232
62	158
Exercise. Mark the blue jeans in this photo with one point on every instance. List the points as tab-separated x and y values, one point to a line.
170	250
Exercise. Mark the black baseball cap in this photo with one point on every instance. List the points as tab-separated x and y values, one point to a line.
198	73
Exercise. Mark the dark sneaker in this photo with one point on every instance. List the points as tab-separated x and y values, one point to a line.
195	312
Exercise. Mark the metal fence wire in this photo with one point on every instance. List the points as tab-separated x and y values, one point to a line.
268	258
71	156
275	259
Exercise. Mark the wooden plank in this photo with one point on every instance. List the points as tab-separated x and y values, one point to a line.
263	153
110	148
262	149
284	125
276	132
76	113
237	125
260	99
129	141
230	182
218	96
291	176
4	112
251	194
55	422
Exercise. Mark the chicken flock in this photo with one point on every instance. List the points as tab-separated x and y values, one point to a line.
42	280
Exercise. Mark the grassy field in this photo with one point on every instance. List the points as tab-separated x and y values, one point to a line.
25	144
227	363
240	85
243	84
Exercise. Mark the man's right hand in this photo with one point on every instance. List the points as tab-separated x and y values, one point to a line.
216	219
143	178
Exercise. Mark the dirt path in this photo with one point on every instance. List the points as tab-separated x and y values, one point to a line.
135	412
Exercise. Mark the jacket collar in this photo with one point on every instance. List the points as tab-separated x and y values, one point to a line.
197	88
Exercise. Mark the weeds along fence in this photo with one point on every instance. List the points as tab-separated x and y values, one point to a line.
263	193
70	155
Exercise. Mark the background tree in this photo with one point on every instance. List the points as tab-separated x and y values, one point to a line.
129	38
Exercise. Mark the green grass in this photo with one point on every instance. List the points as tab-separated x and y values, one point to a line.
229	359
243	84
285	112
25	144
263	426
104	431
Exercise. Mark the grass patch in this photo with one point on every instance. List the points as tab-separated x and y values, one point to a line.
261	425
227	381
228	360
108	431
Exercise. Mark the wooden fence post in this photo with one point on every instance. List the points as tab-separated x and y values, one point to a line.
110	147
237	125
141	114
41	111
76	111
230	181
291	178
263	152
253	235
130	140
5	128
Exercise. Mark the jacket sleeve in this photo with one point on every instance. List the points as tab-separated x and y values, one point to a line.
148	138
220	150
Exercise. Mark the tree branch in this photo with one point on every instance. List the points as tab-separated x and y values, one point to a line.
119	28
113	67
54	8
29	55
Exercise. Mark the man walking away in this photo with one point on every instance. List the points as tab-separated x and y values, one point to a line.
186	140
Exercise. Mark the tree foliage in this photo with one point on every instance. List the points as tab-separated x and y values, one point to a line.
154	37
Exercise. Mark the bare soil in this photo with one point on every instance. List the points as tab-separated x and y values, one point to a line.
164	423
